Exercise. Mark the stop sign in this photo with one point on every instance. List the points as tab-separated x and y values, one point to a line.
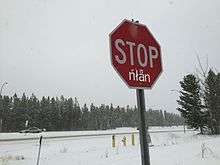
135	54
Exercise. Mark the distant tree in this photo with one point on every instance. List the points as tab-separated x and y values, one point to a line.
93	123
6	118
166	119
24	110
103	118
1	112
18	113
44	114
85	117
70	116
15	115
107	117
135	117
161	118
77	115
64	113
34	111
111	116
55	116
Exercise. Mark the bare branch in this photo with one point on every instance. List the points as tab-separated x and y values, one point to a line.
201	67
207	64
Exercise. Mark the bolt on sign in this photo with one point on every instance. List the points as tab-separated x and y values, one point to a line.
135	54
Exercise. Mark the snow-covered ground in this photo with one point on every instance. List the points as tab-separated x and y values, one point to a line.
173	148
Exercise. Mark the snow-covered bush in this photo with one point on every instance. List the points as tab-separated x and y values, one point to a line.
207	152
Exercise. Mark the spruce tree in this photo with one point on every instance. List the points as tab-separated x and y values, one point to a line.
85	117
111	116
1	112
190	103
45	113
55	115
63	107
71	116
92	117
6	118
77	115
212	100
33	111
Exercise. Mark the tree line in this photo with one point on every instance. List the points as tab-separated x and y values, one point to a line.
199	101
64	114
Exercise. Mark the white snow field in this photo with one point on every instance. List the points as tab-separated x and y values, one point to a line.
170	148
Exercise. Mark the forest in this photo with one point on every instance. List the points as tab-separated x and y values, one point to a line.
66	114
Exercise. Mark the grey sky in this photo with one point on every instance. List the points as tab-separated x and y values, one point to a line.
54	47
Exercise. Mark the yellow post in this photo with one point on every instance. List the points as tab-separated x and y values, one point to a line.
113	141
132	139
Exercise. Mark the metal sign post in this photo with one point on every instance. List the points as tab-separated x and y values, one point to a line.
145	157
38	156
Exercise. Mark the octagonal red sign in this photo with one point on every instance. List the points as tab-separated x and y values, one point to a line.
135	54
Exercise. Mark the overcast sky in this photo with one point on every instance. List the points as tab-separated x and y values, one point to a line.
61	47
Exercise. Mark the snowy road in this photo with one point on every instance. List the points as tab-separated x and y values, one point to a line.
70	134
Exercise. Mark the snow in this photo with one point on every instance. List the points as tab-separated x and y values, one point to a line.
173	148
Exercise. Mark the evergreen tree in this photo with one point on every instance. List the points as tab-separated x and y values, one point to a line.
24	111
212	100
85	117
77	115
44	115
108	117
6	118
63	107
93	123
161	118
111	116
20	112
166	119
71	122
135	117
34	112
1	112
55	115
190	103
15	115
